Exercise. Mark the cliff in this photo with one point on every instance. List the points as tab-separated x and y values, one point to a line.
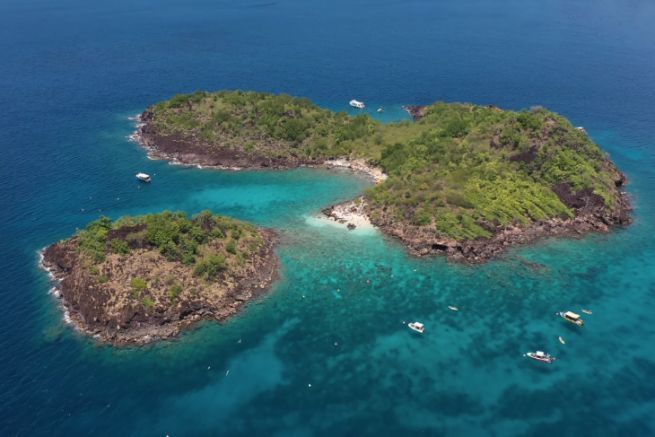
145	278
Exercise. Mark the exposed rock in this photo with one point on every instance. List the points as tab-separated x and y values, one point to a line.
589	218
351	213
526	156
105	309
416	111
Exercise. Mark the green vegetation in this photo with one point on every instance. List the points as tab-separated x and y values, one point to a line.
261	124
174	292
209	267
200	241
147	302
138	284
461	171
120	246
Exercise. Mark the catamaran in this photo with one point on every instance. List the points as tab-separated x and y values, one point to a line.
357	104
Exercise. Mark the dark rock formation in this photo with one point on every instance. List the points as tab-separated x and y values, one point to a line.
416	111
105	310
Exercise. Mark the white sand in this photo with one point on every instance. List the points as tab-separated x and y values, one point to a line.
360	166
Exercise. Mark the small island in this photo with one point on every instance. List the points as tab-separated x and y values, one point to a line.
140	279
462	180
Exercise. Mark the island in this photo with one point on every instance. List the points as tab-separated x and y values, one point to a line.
463	180
145	278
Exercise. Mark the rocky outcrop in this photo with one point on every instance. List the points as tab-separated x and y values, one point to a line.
416	111
351	213
183	150
98	300
590	216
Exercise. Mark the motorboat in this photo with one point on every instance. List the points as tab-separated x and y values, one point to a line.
541	356
357	104
586	311
561	340
416	326
143	177
571	317
380	109
453	308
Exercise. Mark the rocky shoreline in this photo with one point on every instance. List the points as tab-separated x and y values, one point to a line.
482	250
352	214
181	152
419	242
590	212
416	111
85	301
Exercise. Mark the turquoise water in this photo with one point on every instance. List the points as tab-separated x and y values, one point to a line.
326	352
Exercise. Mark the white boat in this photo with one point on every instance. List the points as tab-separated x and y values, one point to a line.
581	129
561	340
416	326
541	356
453	308
380	109
586	311
571	317
143	177
357	104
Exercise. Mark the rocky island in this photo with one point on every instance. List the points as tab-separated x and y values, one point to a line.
140	279
462	180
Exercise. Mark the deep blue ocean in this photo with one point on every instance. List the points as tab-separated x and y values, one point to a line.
326	351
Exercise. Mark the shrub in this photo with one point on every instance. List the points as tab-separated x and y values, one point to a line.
231	247
138	284
174	292
529	120
209	267
148	303
458	199
188	259
455	128
120	246
422	217
93	239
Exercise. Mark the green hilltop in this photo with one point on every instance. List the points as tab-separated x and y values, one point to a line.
461	171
